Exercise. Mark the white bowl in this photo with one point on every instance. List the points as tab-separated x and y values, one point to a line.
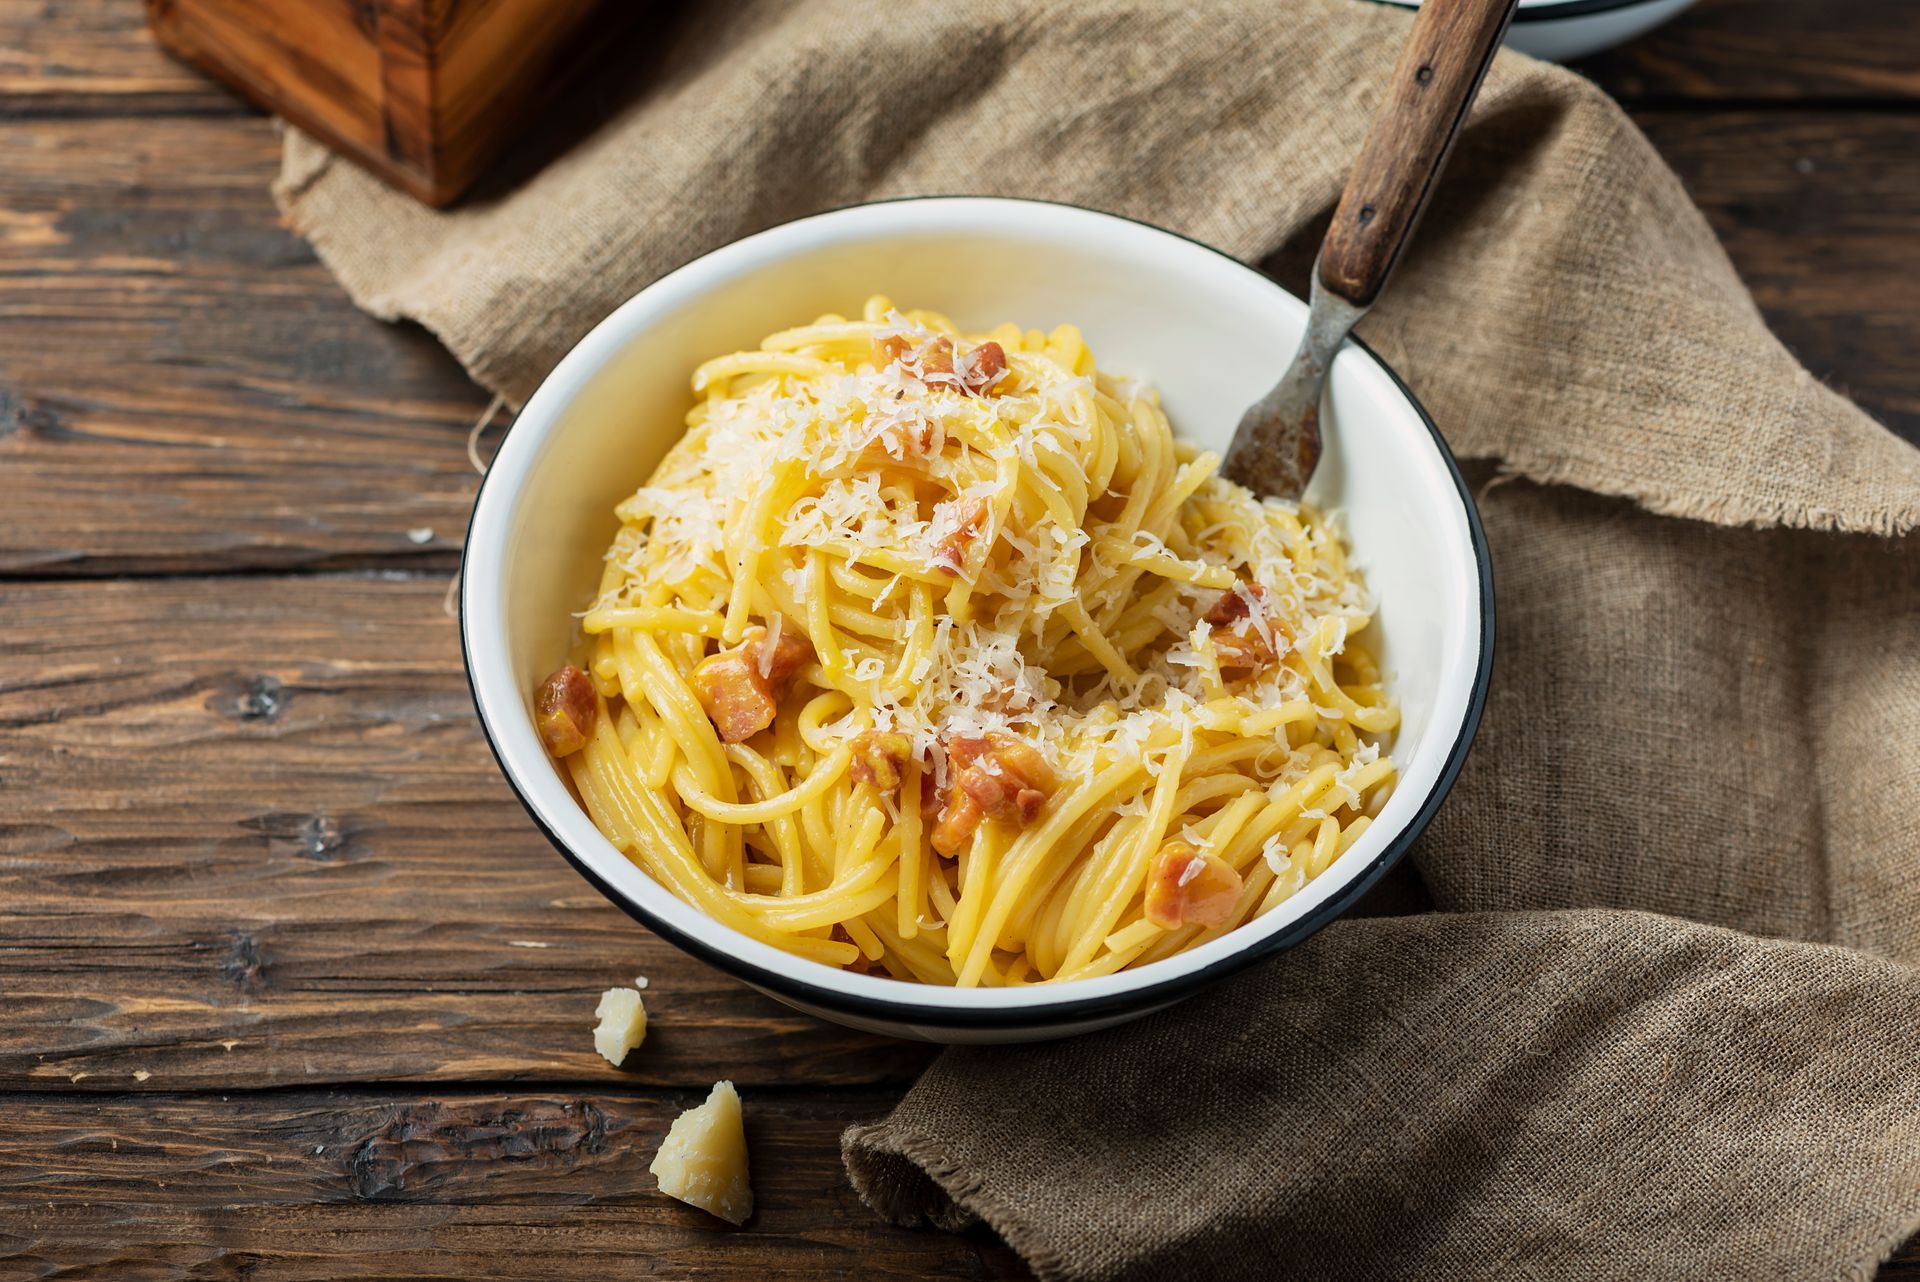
1210	333
1562	30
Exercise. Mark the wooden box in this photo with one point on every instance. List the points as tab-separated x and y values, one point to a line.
423	92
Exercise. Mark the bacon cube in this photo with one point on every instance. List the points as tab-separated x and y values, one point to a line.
780	660
974	372
993	776
1242	618
1247	654
959	820
880	758
936	359
738	700
969	517
982	368
1235	604
563	711
740	688
1188	888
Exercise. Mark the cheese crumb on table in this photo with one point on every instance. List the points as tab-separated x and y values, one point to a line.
703	1160
623	1024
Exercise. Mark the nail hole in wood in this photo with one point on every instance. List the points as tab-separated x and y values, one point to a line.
1424	75
1366	214
243	961
264	699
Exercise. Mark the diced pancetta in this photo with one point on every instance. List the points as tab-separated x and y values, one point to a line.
1188	888
563	710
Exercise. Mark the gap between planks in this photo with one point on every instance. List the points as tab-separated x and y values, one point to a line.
397	568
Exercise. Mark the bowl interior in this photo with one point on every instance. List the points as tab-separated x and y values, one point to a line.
1210	334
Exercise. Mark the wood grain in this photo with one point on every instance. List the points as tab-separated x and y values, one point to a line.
1434	80
1822	218
318	63
160	323
157	321
97	54
251	848
78	57
424	94
1788	53
327	1185
254	837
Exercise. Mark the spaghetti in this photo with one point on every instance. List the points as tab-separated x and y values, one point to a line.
938	655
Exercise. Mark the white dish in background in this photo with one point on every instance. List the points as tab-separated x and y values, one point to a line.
1562	30
1209	332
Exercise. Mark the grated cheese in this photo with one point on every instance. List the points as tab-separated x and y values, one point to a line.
772	642
867	448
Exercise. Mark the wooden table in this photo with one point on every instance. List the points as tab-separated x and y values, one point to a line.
289	986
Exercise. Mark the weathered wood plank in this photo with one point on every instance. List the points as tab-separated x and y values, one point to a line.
250	835
361	1184
374	1185
96	51
82	56
1777	51
1818	211
157	321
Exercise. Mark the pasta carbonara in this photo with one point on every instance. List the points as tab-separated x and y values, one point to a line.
937	655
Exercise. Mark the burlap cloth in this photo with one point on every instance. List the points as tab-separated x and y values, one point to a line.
1667	1021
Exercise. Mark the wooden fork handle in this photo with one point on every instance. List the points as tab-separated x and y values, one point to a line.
1433	85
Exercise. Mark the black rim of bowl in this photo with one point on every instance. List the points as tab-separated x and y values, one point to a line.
1067	1010
1557	9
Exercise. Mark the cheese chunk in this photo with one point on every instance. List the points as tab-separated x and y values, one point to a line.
623	1024
703	1160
